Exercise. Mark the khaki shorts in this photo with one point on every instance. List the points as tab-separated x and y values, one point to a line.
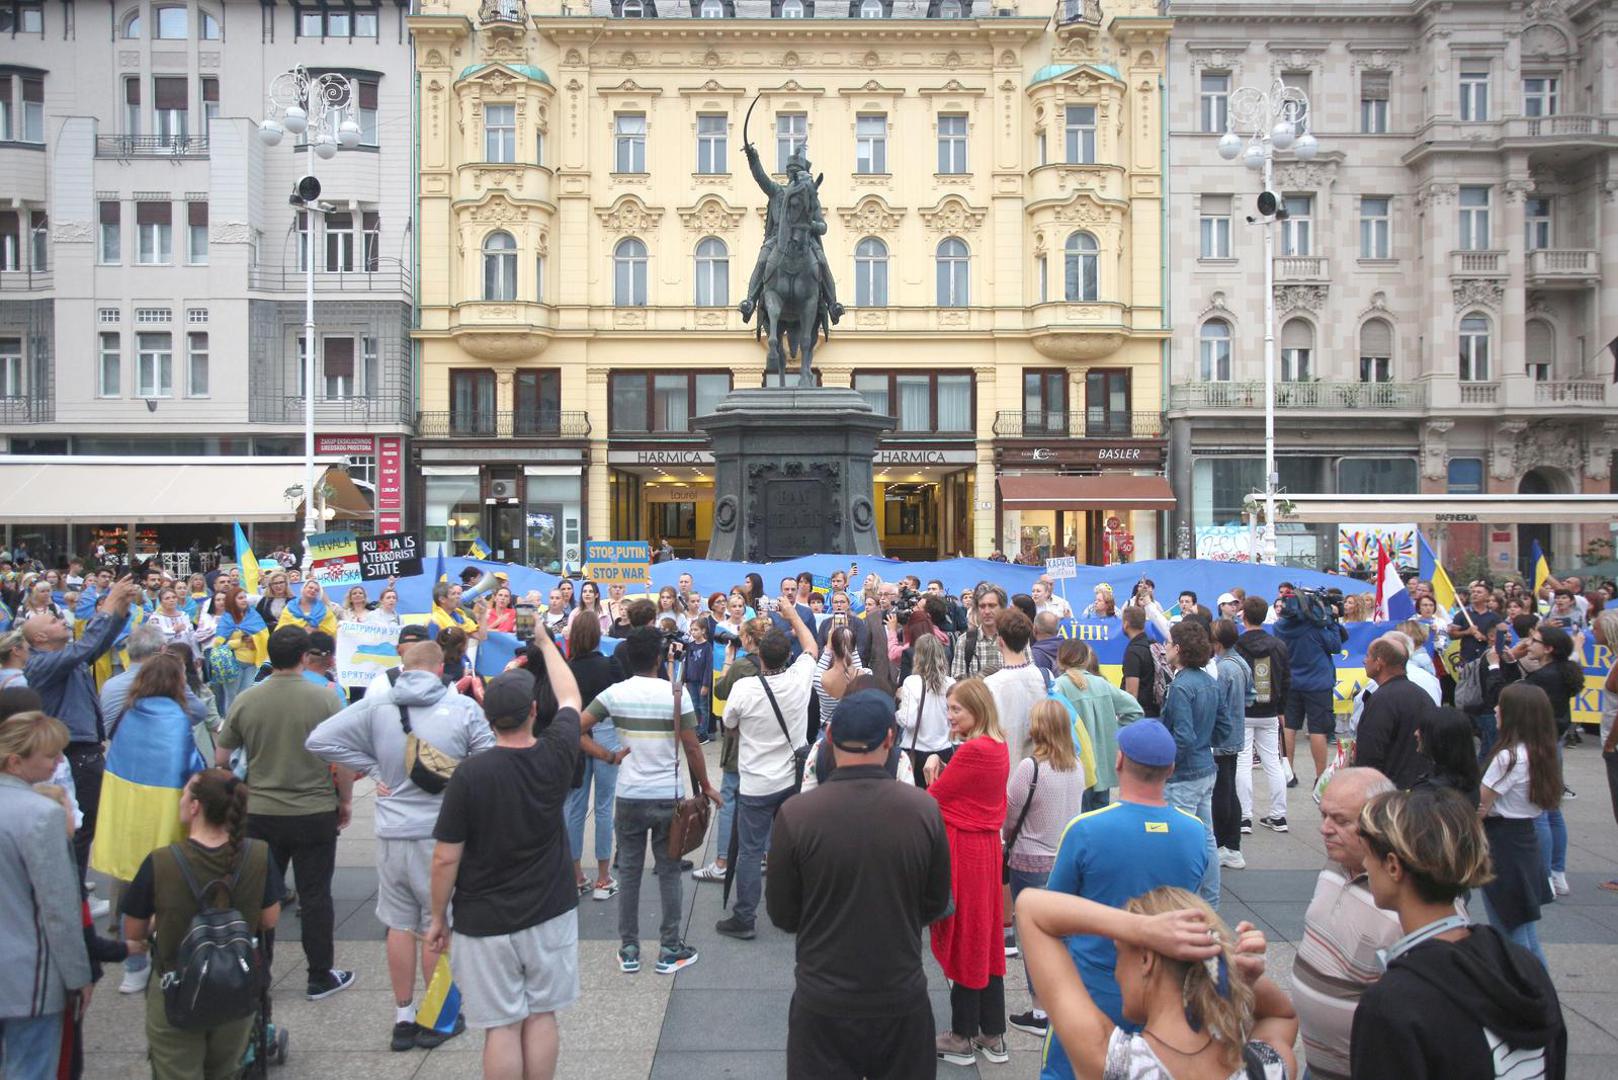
506	978
404	890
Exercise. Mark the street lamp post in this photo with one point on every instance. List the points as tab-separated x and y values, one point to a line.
323	107
1257	124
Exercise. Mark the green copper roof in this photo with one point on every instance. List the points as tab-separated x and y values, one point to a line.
1054	71
526	70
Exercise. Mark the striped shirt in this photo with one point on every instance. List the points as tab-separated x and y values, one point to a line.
1342	931
642	709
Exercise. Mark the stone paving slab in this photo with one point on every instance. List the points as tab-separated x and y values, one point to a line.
726	1015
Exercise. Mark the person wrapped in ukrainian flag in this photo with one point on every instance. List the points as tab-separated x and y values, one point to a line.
447	611
310	611
151	758
242	644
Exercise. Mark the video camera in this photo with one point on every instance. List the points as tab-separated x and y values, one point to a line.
1319	607
905	606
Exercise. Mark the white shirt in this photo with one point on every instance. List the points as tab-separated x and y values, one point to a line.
765	755
1056	606
1511	788
934	734
1426	680
1016	691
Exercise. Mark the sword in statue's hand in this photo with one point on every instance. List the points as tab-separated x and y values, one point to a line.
746	143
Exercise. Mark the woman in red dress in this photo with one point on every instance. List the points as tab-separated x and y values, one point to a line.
969	945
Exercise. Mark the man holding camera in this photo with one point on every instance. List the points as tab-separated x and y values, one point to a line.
770	713
1311	643
842	615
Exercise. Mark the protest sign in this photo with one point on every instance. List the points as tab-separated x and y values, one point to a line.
618	562
363	649
1062	566
389	555
334	559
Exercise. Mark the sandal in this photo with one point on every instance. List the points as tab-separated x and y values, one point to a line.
582	886
1610	886
604	890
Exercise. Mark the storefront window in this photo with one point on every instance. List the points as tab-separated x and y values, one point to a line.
1219	486
454	511
1466	476
552	519
1377	476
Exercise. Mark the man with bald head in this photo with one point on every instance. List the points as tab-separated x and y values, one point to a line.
58	670
370	738
1386	738
1342	930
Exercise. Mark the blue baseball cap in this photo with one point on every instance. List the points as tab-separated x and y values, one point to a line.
862	720
1147	742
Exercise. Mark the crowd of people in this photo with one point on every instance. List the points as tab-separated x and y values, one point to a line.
898	766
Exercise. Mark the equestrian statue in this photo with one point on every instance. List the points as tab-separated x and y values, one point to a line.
791	288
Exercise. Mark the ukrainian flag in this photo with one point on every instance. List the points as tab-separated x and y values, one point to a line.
478	550
151	758
383	654
247	561
442	1006
1542	570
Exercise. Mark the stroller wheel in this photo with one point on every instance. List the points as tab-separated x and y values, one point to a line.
280	1047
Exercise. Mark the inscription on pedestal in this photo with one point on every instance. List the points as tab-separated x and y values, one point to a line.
795	517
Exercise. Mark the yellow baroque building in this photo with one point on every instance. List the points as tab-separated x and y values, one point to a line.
994	188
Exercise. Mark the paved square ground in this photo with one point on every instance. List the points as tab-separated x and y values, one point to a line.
726	1015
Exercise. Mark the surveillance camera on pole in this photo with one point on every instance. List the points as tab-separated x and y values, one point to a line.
305	192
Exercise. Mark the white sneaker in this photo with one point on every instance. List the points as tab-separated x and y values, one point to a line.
99	907
1559	883
1232	860
135	981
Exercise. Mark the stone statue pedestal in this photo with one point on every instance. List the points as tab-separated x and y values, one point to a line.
792	473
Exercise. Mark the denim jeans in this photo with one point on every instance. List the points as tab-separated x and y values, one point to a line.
30	1047
1525	934
755	817
1551	829
698	696
1196	797
1485	724
728	788
605	779
1094	799
1028	879
637	821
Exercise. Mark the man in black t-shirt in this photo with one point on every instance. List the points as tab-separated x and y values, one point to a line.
1140	671
503	852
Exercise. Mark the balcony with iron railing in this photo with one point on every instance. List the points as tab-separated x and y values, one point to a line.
503	423
383	410
151	146
25	280
1566	267
27	410
1327	396
383	276
1096	424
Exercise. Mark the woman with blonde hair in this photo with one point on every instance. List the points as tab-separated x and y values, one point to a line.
1196	988
13	658
1046	792
277	595
923	698
1102	707
1455	998
969	944
354	607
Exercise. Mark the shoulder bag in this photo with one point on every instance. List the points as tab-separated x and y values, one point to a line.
800	754
691	815
1016	830
428	767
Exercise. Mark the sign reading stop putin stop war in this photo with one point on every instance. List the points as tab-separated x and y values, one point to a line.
390	555
615	562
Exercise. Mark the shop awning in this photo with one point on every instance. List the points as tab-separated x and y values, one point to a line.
1117	491
1451	509
148	491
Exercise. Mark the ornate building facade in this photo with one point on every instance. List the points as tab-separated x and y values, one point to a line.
1446	282
992	181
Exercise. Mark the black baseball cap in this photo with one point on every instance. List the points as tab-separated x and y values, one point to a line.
508	697
410	632
862	720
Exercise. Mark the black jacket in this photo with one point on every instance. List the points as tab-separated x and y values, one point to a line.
1387	734
856	896
1264	652
1430	1017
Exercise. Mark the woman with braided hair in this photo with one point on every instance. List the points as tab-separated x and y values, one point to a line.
213	811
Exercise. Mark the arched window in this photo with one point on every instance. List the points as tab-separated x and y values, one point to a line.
712	9
1475	348
629	273
1083	270
499	266
130	30
1376	351
1539	350
1213	345
209	26
713	273
1297	350
632	9
871	273
953	262
792	9
871	9
171	23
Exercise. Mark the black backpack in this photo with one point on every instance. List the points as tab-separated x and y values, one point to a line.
218	975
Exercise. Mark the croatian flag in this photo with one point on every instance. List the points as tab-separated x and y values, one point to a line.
1393	604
